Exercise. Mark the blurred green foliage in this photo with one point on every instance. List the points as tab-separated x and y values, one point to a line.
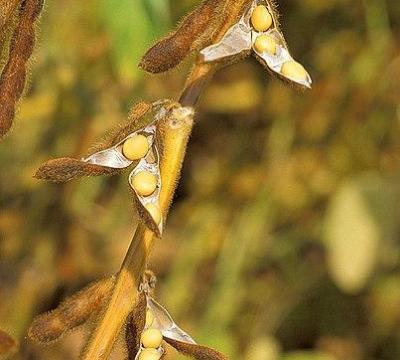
283	242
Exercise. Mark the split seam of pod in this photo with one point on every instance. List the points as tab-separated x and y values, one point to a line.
145	180
258	31
134	147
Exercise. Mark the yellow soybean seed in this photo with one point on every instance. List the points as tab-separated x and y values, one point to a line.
135	147
149	318
149	354
155	212
261	19
294	70
265	43
144	183
151	338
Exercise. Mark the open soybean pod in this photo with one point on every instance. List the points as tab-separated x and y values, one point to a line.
154	178
175	336
258	32
164	322
126	145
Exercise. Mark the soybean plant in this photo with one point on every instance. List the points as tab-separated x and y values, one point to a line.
153	144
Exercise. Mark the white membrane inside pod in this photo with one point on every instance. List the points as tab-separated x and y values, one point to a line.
164	322
236	40
113	157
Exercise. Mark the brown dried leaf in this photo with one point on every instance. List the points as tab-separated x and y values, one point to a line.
195	351
65	169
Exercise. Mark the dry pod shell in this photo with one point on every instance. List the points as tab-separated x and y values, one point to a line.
258	32
12	79
192	34
133	139
135	327
72	312
198	352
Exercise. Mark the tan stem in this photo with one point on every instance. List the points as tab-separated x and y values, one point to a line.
176	133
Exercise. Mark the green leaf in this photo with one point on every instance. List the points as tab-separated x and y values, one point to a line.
132	26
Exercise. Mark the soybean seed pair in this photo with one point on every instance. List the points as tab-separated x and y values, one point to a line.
262	21
151	340
144	182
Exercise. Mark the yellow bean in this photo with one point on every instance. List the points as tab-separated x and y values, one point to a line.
149	354
151	338
294	70
261	19
144	183
265	43
149	318
155	212
135	147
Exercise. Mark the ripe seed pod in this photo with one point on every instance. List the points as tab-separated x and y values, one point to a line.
265	43
135	147
149	354
154	211
151	338
261	19
294	70
144	183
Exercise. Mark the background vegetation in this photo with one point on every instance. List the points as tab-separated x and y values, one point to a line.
283	242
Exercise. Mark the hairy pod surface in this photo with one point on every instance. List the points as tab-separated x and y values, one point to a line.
195	351
12	80
72	312
202	27
66	169
170	51
135	326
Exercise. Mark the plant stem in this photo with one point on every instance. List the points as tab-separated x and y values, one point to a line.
125	293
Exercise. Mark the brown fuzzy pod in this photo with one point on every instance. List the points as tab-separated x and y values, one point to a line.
195	351
12	80
170	51
135	326
72	312
65	169
7	344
